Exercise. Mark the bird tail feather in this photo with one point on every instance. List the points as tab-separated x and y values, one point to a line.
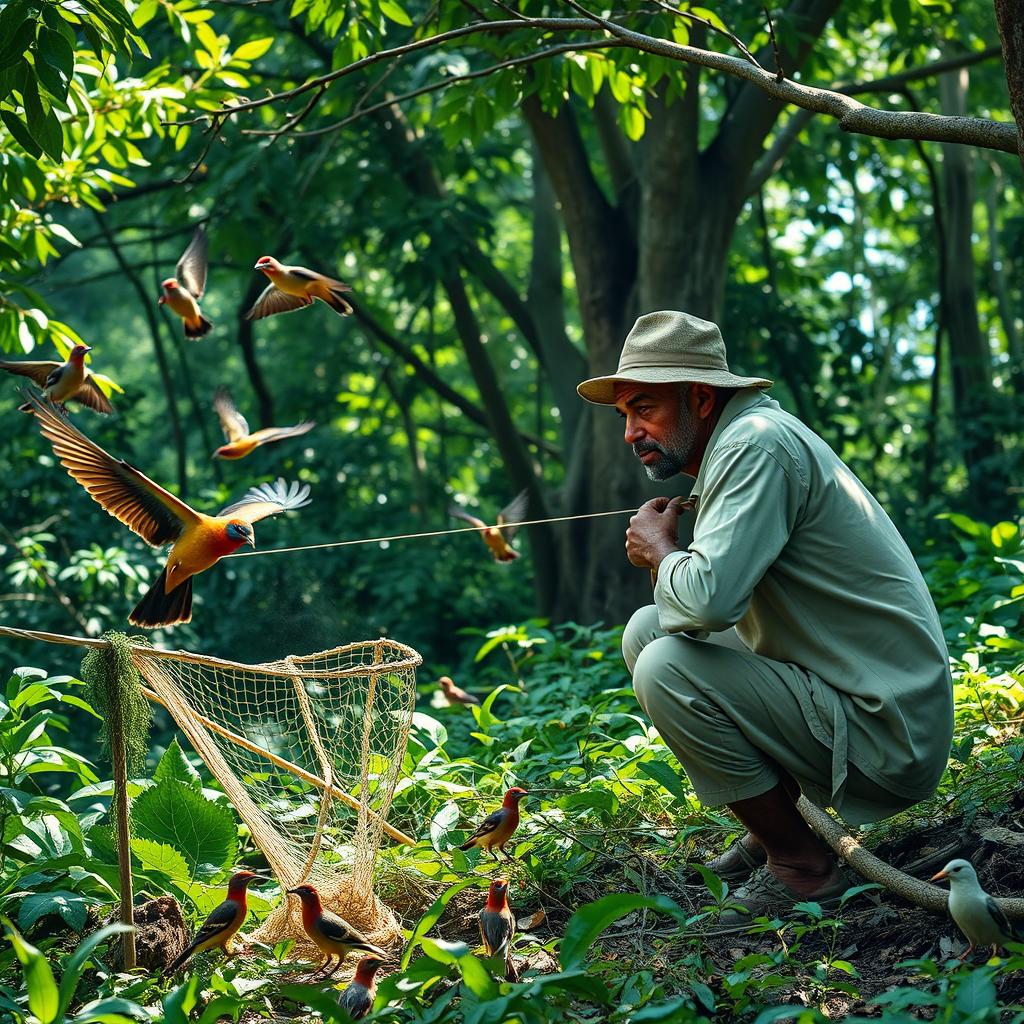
159	609
199	329
333	297
179	961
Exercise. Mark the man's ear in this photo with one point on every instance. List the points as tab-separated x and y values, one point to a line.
703	398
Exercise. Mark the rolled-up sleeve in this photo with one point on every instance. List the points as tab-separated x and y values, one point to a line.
749	505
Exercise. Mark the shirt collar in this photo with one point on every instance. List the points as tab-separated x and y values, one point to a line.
744	399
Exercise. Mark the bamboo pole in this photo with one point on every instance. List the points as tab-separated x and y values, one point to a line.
124	838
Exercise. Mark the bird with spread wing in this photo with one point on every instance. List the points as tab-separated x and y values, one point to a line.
160	518
236	430
498	538
181	293
70	381
295	287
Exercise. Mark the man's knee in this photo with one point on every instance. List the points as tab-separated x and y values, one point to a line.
642	628
658	677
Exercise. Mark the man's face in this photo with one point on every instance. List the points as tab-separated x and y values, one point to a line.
660	426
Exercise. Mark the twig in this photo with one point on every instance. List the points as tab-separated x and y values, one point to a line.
714	28
213	132
779	74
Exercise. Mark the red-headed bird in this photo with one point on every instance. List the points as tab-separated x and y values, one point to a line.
332	934
181	293
236	430
455	694
62	382
498	538
497	828
357	997
222	924
159	518
498	926
294	287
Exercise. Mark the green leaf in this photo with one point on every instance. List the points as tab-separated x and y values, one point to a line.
474	974
253	49
72	907
669	779
75	964
42	989
175	765
975	994
432	916
393	10
153	856
21	133
180	1003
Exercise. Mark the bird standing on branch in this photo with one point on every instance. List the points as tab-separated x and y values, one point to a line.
975	913
159	517
498	926
236	430
498	538
497	828
294	287
455	694
358	996
222	924
62	382
333	935
181	293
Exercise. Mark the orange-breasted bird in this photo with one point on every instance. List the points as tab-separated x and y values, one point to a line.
294	287
498	926
159	517
357	997
62	382
455	694
236	430
498	538
181	293
497	828
224	921
333	935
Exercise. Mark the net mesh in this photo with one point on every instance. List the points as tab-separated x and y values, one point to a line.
308	750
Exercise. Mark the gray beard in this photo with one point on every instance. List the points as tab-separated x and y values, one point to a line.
673	455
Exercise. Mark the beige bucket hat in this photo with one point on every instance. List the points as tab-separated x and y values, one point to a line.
669	347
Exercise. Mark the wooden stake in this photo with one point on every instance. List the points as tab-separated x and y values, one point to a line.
124	839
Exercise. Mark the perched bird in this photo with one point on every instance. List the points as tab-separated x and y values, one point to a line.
222	924
498	926
62	382
159	518
333	935
455	694
498	538
236	430
976	914
497	828
357	997
182	292
294	287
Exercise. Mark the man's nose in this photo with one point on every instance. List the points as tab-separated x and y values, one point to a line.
632	433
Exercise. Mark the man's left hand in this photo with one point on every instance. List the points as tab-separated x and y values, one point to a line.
654	531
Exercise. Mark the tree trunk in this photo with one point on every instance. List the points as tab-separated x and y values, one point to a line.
1010	19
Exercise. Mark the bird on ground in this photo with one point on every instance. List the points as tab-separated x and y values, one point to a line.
357	997
498	926
70	381
975	913
294	287
159	517
498	538
236	430
181	293
332	934
455	694
222	924
497	828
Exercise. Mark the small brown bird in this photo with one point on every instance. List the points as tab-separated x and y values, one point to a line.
62	382
357	997
498	538
294	287
181	293
236	430
455	694
333	935
497	828
222	924
498	926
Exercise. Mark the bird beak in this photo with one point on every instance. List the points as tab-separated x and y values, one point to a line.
251	542
257	267
937	876
260	879
292	892
88	348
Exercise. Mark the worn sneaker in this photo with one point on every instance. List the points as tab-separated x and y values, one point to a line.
765	896
738	863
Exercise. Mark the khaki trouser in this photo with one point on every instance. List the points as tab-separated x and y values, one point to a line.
736	720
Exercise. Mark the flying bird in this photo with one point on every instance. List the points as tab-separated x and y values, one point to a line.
222	924
236	430
294	287
455	694
62	382
333	935
976	914
497	828
182	292
159	517
498	926
498	538
358	996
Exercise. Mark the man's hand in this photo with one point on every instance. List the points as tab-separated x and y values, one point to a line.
654	531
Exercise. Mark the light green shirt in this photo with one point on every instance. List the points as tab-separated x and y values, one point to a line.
791	548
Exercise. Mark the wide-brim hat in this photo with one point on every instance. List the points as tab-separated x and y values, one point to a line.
669	347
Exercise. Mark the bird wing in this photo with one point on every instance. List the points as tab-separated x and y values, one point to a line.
1005	925
461	513
36	370
267	500
305	274
221	918
156	515
337	929
232	422
191	268
91	395
278	433
489	824
272	300
513	512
